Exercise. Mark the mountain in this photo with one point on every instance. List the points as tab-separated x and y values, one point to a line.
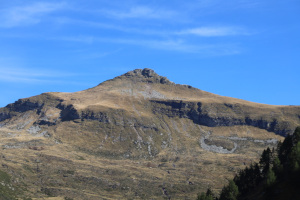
137	136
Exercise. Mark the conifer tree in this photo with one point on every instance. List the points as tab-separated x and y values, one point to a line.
270	178
230	192
265	161
285	149
277	167
295	157
206	196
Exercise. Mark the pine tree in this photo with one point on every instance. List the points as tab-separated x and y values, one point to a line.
285	149
209	194
270	178
296	135
295	157
206	196
230	192
202	196
265	161
277	167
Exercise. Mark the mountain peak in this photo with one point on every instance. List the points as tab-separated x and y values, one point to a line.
145	75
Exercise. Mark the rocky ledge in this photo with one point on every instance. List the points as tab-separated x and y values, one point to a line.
145	75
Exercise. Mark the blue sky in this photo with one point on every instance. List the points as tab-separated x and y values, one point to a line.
247	49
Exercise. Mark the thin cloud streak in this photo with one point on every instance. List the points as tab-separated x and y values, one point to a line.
143	12
200	31
17	79
40	80
33	72
107	26
214	31
31	75
168	45
27	15
205	7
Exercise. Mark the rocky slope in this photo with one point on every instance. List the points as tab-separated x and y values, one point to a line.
136	136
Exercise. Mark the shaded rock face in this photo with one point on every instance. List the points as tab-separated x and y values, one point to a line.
148	72
201	116
190	110
20	106
44	122
4	116
24	105
99	116
68	112
146	75
280	128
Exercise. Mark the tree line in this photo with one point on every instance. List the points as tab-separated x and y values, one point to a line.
276	176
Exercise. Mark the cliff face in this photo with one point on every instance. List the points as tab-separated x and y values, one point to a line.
231	115
143	121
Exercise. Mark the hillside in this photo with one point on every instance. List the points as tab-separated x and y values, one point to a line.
275	177
137	136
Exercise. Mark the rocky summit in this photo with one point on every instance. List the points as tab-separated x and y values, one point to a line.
137	136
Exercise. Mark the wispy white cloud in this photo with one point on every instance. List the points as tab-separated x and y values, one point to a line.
200	49
143	12
114	27
27	15
27	75
172	38
214	31
179	45
214	6
207	31
183	46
